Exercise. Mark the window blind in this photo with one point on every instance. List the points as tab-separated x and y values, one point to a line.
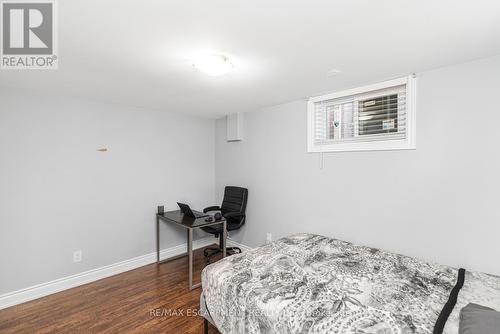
374	116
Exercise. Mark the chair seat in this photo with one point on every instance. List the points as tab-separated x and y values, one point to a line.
217	229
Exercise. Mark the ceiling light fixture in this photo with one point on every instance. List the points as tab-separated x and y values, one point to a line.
332	72
213	65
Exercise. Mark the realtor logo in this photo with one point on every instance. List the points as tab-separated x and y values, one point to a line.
28	35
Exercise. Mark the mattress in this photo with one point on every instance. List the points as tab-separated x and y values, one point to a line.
308	283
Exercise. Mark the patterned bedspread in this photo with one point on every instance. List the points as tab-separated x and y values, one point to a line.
312	284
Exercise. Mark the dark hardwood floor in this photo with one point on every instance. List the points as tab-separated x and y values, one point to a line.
150	299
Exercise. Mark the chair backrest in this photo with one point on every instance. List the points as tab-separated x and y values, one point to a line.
235	200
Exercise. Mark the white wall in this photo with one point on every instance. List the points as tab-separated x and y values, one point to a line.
58	194
439	202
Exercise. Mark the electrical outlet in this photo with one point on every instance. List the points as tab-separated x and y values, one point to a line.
77	256
269	238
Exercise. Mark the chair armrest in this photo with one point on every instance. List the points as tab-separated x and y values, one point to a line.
233	215
211	208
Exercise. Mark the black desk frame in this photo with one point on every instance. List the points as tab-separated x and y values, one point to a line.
189	224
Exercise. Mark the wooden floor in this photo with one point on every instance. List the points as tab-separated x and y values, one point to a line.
150	299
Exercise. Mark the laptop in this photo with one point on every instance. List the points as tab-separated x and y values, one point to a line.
190	213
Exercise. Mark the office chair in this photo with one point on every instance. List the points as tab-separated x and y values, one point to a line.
233	209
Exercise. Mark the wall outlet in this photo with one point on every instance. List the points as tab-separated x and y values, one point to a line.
77	256
269	238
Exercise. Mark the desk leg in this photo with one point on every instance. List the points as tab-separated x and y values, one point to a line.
190	255
157	239
224	238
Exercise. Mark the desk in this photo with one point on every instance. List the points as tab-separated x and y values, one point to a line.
189	223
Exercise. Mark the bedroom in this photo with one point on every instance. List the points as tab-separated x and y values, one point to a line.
130	107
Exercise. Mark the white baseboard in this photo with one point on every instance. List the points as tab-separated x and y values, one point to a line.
44	289
232	243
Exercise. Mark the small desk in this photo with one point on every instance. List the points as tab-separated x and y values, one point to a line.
189	223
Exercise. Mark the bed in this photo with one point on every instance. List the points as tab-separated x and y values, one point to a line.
309	283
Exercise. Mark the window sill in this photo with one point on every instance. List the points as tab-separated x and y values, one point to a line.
368	146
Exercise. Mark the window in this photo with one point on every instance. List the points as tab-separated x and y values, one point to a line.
375	117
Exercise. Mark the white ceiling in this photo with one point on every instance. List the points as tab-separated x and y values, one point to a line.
137	52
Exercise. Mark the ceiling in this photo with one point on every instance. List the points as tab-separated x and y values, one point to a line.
138	53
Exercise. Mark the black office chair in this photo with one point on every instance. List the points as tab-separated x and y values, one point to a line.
233	209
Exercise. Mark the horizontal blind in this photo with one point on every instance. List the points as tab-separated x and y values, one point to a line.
374	116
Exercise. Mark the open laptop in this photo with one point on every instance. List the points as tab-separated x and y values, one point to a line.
190	213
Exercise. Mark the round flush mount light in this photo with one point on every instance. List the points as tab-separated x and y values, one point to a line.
213	64
332	72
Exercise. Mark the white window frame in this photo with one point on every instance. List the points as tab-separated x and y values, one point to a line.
408	143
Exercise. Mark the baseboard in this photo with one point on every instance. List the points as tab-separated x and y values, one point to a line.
44	289
232	243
